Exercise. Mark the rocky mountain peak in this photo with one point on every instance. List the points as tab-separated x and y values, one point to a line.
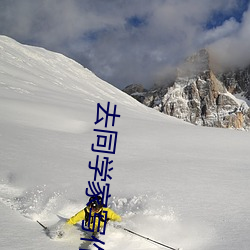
197	64
200	96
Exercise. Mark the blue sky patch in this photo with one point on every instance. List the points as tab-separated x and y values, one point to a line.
136	21
219	17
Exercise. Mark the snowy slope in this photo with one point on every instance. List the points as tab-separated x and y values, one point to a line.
182	185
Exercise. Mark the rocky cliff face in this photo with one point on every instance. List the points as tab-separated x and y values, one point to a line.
237	81
201	97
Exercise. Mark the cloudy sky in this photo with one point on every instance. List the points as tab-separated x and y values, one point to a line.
131	41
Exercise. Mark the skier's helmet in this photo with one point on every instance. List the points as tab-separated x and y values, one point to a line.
95	203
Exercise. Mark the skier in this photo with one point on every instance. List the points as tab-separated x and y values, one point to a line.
87	214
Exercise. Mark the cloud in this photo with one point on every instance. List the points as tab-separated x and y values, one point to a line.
228	28
232	50
121	41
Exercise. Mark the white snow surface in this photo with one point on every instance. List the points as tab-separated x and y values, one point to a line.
182	185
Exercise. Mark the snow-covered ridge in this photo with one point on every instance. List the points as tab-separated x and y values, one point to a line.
34	66
33	74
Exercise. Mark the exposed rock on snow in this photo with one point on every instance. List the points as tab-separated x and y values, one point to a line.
237	81
137	91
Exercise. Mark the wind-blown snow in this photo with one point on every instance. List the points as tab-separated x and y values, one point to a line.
176	183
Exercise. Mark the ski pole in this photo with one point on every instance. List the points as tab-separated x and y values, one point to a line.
45	228
159	243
